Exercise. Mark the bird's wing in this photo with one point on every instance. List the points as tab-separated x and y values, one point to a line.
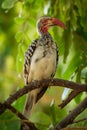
53	74
28	55
43	90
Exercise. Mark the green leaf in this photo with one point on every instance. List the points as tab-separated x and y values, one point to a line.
41	118
19	63
84	73
7	4
8	121
19	36
72	66
52	112
19	104
78	5
67	43
32	22
27	40
29	1
84	23
20	59
78	98
19	20
55	113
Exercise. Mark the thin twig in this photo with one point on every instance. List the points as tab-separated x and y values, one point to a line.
72	95
80	120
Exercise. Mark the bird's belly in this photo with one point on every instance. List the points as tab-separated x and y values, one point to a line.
43	67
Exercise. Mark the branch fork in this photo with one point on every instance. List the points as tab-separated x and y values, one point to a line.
69	119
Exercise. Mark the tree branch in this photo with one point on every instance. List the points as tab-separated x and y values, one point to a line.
69	119
42	83
48	82
21	116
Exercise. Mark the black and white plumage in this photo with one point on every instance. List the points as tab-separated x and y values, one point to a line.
40	63
41	60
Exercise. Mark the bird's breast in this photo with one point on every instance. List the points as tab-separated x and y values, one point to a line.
43	63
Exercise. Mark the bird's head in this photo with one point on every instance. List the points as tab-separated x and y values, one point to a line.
45	22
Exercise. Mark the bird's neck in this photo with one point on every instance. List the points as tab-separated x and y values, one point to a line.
46	39
45	35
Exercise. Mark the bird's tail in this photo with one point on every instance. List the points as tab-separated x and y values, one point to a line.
32	98
28	107
29	104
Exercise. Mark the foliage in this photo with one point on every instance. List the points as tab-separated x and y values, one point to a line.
18	29
12	123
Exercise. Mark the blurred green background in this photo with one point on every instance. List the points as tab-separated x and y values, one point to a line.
17	30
